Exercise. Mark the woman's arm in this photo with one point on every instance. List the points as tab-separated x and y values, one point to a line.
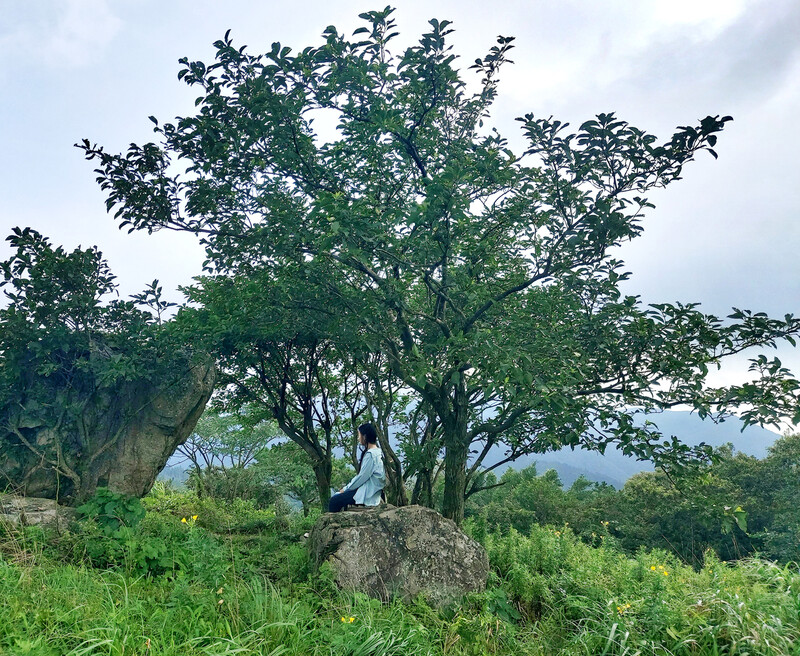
367	467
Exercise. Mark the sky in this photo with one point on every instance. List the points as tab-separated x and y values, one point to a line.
726	235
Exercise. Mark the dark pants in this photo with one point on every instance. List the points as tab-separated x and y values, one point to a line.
341	501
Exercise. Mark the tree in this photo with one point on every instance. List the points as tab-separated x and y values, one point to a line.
383	405
221	450
770	496
687	516
285	467
276	359
421	443
486	277
79	374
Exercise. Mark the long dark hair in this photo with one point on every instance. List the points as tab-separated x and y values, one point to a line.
370	437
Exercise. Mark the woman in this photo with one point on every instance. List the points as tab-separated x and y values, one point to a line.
366	486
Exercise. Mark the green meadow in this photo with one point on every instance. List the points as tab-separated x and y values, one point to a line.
232	579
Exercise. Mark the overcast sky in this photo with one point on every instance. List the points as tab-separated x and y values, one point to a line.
727	235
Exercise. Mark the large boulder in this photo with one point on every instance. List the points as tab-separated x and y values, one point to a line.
402	552
165	423
122	439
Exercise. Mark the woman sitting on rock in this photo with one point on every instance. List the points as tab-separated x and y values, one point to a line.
366	487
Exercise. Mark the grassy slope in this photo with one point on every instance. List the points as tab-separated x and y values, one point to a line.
247	590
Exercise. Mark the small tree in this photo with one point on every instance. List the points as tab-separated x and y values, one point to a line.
276	358
485	276
286	467
221	450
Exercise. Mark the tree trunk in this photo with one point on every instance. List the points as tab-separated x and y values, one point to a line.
423	489
455	481
322	470
395	490
456	442
321	461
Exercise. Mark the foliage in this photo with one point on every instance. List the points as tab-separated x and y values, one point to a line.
68	354
651	604
229	592
277	363
738	506
522	499
221	449
484	276
111	510
285	467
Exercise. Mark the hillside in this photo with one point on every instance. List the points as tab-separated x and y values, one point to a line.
615	468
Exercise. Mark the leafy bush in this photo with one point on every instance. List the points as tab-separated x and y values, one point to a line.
599	600
112	511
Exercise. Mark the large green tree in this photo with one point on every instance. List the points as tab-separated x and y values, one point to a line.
484	275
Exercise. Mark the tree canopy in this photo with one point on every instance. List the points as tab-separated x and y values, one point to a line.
486	277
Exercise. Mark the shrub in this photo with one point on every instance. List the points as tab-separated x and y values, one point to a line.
111	510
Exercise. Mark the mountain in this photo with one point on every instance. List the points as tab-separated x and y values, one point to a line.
615	468
178	474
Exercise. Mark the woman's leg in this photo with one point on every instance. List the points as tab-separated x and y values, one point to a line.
341	501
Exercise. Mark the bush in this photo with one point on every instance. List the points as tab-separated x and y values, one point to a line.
112	511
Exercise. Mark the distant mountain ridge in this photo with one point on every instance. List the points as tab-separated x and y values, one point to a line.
615	468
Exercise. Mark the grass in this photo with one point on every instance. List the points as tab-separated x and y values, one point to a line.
237	589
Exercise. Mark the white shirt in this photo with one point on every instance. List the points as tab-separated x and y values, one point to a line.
369	482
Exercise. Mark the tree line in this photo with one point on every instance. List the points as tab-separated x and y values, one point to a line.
414	269
736	505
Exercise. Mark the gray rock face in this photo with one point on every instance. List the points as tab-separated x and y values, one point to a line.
166	423
399	552
123	440
31	511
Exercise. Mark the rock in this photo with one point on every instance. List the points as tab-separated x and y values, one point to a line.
165	424
33	511
123	438
389	552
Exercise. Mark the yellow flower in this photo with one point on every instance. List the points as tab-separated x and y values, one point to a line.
666	573
352	619
194	516
343	619
653	567
183	520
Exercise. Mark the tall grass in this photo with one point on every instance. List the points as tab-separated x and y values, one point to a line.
549	593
